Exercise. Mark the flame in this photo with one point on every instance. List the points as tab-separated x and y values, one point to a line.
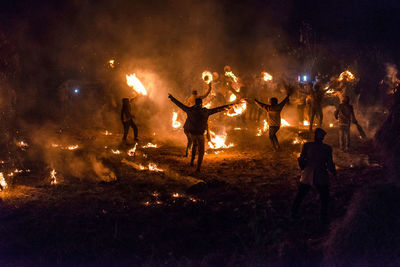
218	141
331	125
53	178
231	75
284	123
3	183
306	123
207	74
150	145
237	109
153	167
176	195
111	63
116	151
135	83
267	77
232	98
107	133
298	141
346	75
72	147
175	123
264	129
132	151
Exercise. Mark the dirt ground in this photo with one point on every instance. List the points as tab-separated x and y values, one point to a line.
235	212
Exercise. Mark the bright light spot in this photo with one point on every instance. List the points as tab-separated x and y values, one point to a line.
53	178
150	145
3	183
76	90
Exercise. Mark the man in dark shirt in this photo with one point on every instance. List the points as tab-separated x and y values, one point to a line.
316	97
345	114
273	117
315	161
197	120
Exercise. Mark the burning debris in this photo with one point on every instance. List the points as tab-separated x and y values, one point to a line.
132	151
107	133
218	141
207	76
116	151
138	166
264	129
267	77
135	83
150	145
3	183
53	178
237	109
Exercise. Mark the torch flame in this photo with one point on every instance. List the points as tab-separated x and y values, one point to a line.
237	109
135	83
207	74
3	183
53	178
116	151
267	77
175	123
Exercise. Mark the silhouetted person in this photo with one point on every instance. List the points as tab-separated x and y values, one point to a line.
345	114
273	117
127	119
316	97
315	161
197	118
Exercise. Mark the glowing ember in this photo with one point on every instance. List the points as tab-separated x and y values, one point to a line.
150	145
115	151
232	98
218	141
207	76
55	145
331	125
267	77
53	178
284	123
3	183
346	75
111	63
153	167
132	151
175	124
135	83
176	195
237	109
306	123
72	147
237	129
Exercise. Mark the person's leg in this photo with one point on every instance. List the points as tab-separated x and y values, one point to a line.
135	129
189	142
347	138
301	194
341	138
272	136
201	151
320	116
126	130
324	197
194	148
312	115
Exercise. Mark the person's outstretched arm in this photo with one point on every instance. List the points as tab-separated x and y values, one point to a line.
219	109
208	91
284	101
260	104
178	103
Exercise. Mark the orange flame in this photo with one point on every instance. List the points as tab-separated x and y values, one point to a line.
267	77
237	109
53	178
135	83
3	183
218	141
175	124
207	74
284	123
111	63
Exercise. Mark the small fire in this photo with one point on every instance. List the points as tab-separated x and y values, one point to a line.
284	123
298	141
132	151
267	77
53	178
218	141
175	124
231	75
72	147
3	183
306	123
207	74
264	129
176	195
232	98
150	145
153	167
117	152
135	83
237	109
111	63
346	75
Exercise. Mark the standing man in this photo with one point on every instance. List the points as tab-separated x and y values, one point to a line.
315	161
127	119
316	97
345	114
273	117
197	119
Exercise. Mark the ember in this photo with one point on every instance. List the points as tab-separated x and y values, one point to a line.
346	75
23	145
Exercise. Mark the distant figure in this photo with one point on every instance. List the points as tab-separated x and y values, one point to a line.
315	161
315	109
127	119
197	119
345	114
190	102
273	117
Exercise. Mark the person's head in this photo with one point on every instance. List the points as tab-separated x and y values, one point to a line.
194	92
319	134
227	68
125	102
346	100
273	101
199	102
